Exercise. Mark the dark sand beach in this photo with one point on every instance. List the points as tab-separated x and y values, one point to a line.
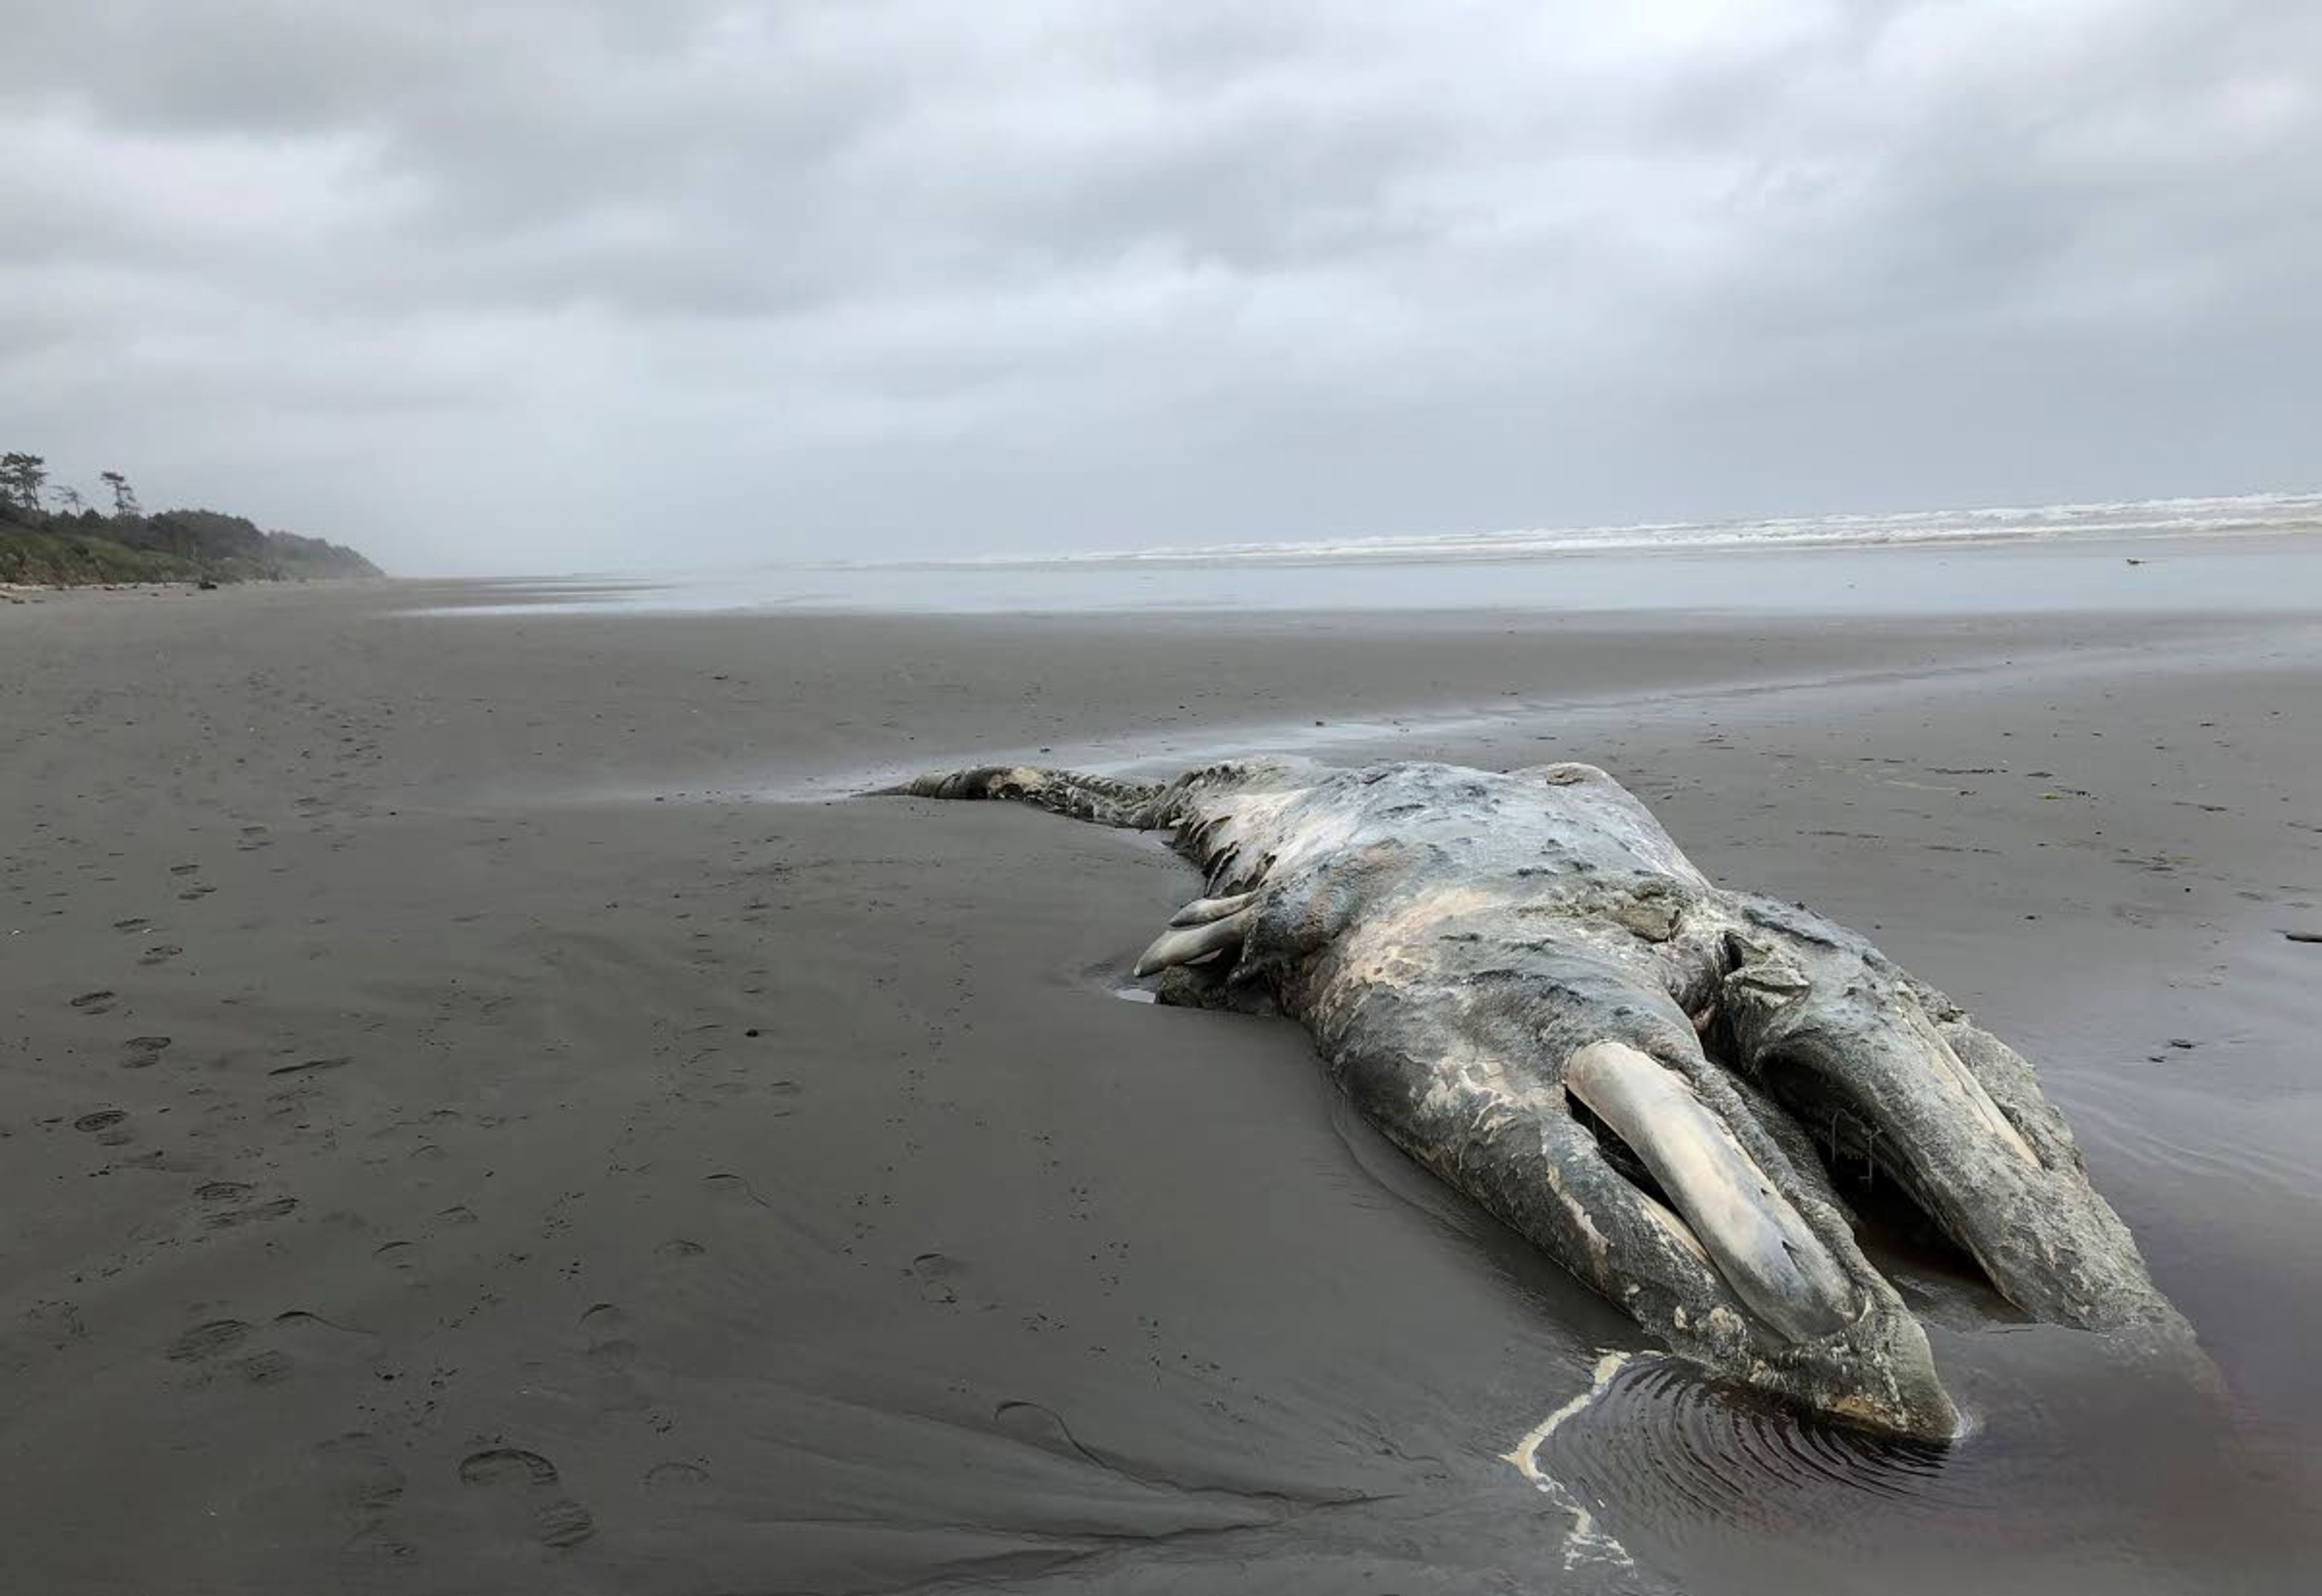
480	1111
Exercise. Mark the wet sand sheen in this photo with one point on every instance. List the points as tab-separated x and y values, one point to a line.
427	1173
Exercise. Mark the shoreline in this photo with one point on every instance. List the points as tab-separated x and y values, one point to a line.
2271	573
1485	551
194	584
461	1133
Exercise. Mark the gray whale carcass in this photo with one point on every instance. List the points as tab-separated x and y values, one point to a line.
1523	982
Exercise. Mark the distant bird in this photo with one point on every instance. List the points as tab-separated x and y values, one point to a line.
2136	562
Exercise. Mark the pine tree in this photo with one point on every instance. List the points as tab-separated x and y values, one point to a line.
125	497
22	477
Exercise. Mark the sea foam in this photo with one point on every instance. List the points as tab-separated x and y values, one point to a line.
2238	514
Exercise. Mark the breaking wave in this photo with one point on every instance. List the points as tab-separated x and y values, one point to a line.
2240	514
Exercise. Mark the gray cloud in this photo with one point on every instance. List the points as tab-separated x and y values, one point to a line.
509	284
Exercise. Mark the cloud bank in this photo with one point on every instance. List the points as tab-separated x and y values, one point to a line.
514	286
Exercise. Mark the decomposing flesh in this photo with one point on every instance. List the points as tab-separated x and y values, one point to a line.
1522	980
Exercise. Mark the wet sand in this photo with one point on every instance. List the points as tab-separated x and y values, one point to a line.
476	1113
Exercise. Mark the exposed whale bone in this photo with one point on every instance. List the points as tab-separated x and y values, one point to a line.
1523	982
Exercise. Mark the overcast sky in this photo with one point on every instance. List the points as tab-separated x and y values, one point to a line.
524	286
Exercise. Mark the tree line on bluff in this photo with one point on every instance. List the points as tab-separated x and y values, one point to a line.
52	536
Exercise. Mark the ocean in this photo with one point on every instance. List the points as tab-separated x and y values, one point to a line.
2145	555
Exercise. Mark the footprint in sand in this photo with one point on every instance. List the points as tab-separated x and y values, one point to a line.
109	1127
936	1274
232	1217
358	1474
208	1340
262	1356
98	1002
506	1465
264	1368
161	954
604	1337
518	1489
603	1340
678	1481
56	1322
562	1523
361	1489
310	1338
142	1052
733	1187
